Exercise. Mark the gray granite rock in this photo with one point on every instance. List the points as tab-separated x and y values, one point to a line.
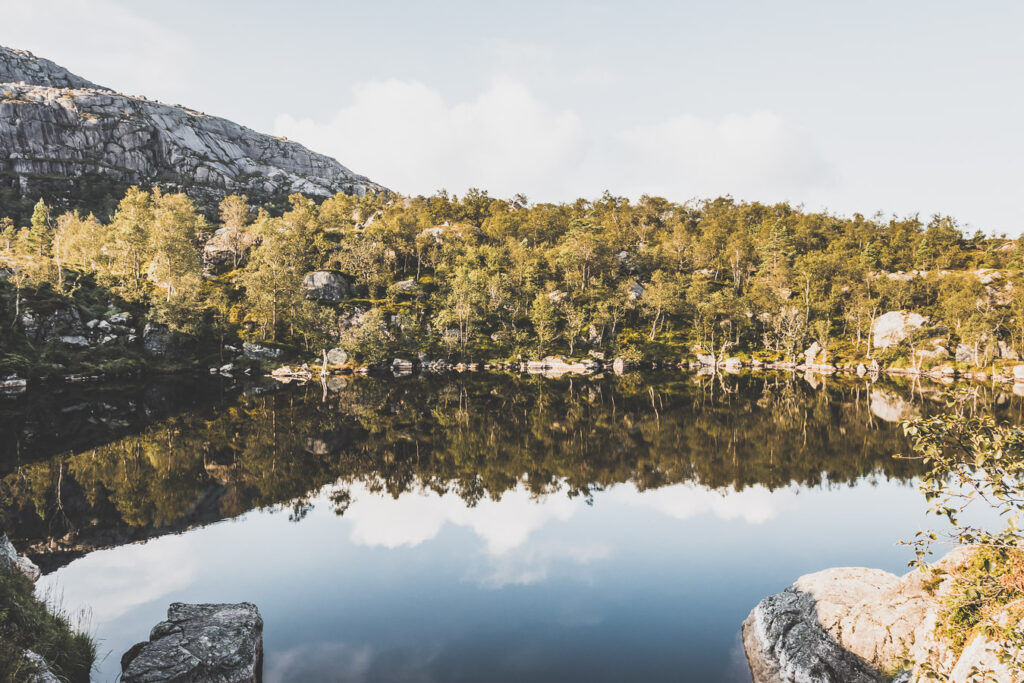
56	125
326	285
21	66
10	560
208	643
254	351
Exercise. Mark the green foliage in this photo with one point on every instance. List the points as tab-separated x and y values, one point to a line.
972	461
719	276
29	623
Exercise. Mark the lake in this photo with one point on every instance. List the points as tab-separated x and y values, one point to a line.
468	527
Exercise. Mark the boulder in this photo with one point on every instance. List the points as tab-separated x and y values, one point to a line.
811	353
326	285
1018	373
706	360
120	318
964	353
64	321
337	356
11	561
228	245
405	285
12	384
254	351
157	339
635	291
1006	352
37	670
206	642
893	327
76	341
857	624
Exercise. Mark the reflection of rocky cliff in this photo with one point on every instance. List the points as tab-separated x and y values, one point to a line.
197	466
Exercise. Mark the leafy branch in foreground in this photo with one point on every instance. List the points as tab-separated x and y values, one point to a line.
974	467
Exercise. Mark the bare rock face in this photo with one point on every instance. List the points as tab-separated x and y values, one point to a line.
855	624
893	327
21	66
54	124
220	643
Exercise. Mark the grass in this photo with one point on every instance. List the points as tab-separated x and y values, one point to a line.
28	623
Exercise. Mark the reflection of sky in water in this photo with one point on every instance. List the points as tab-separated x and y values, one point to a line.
637	586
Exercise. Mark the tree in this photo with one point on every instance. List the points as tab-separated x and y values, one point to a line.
544	318
662	295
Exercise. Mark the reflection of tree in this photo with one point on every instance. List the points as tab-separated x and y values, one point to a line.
477	436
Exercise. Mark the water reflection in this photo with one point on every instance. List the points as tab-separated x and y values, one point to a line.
477	527
474	439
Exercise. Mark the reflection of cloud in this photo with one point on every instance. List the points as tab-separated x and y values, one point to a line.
533	565
754	505
113	582
415	517
345	661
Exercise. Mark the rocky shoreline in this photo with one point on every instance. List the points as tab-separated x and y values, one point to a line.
859	625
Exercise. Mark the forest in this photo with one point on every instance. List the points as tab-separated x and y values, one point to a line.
476	278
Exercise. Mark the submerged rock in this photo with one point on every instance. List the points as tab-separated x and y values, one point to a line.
200	643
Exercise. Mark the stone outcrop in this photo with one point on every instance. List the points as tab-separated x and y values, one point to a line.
200	643
326	285
10	560
254	351
853	625
227	246
893	327
21	66
55	125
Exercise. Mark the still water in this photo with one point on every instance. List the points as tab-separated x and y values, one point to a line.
463	528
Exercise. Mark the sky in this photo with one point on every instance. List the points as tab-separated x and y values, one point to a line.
900	107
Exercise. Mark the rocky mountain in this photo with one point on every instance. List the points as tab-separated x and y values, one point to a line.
80	145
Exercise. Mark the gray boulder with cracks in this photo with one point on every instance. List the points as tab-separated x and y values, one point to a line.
206	643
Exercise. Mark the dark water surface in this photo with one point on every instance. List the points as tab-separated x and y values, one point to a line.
463	528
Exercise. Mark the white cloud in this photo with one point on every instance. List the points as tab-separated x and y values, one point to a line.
129	53
507	140
753	505
406	136
753	155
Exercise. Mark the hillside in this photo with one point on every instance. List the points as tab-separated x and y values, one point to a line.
80	145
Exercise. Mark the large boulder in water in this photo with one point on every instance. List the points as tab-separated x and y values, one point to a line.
211	642
893	327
